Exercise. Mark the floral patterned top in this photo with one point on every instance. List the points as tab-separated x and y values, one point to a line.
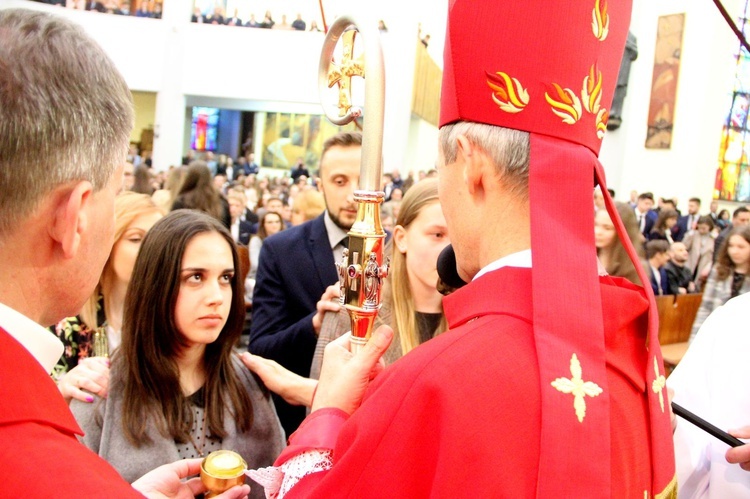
76	337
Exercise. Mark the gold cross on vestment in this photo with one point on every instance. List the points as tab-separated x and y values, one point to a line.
577	387
343	72
658	384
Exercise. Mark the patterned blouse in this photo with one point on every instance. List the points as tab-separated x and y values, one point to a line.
76	337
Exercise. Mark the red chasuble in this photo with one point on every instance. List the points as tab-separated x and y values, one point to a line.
40	455
460	416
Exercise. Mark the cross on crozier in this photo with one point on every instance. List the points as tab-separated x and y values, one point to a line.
343	72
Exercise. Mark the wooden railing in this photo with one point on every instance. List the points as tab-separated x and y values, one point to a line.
676	316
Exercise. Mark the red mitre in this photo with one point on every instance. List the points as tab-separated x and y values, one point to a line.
550	68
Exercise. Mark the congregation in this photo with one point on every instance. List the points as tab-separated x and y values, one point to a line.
204	324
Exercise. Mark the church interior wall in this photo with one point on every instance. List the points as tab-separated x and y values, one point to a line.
705	83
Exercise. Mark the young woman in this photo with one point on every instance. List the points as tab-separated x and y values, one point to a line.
84	359
197	192
611	253
177	389
730	276
412	306
700	246
164	198
663	226
270	223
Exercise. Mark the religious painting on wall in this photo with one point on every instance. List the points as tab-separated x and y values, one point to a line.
733	169
287	137
664	81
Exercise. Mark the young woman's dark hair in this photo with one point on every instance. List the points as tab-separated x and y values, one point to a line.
706	220
724	264
197	192
145	363
660	226
142	183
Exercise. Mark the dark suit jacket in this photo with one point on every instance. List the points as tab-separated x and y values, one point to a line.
295	267
246	230
664	281
679	277
651	217
252	218
679	230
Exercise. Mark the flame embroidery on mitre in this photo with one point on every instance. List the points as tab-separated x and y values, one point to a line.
566	104
600	22
601	122
591	94
507	92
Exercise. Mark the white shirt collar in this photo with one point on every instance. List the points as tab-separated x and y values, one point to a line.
520	259
39	341
335	233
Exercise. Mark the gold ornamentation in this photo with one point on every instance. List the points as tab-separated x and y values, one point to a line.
507	92
659	383
670	491
343	72
591	94
565	104
601	122
600	20
577	387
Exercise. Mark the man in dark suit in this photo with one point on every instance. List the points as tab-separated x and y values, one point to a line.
657	254
241	229
645	216
296	270
687	222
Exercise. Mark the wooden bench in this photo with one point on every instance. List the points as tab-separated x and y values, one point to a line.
676	316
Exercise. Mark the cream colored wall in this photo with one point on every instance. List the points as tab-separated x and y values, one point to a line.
145	113
705	82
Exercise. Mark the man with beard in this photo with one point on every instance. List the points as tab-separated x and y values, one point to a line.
296	269
678	274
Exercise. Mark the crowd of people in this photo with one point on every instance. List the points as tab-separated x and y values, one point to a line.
151	9
532	367
692	253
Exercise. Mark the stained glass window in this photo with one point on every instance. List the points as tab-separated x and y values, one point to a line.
733	170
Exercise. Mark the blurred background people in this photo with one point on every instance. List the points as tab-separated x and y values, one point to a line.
729	276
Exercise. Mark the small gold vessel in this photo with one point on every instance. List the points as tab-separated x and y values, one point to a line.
221	470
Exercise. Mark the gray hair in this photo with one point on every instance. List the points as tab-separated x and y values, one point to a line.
65	111
507	148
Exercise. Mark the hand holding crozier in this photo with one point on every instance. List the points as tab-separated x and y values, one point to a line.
345	376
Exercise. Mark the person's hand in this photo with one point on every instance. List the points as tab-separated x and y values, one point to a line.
167	482
91	375
704	273
325	304
691	287
740	455
345	376
292	387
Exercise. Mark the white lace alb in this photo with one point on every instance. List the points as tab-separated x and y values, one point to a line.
279	480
